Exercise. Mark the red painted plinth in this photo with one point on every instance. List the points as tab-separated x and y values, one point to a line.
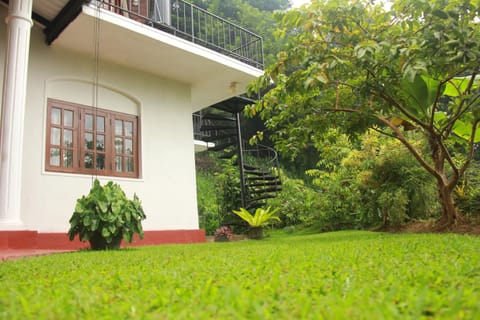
59	241
169	237
18	239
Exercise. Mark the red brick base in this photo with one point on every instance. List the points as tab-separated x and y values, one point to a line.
59	241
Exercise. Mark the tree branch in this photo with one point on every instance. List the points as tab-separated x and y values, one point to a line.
410	147
392	101
385	133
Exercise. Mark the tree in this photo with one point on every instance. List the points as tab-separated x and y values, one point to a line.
355	65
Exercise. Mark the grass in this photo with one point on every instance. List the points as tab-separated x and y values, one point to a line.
341	275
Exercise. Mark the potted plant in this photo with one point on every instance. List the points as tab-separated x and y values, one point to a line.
223	234
257	221
106	216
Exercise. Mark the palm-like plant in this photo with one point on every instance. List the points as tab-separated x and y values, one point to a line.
258	220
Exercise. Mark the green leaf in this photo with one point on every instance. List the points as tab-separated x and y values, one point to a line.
86	220
422	94
439	13
105	232
457	86
464	130
103	206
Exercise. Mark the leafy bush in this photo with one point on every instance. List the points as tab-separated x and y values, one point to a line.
207	202
223	234
298	201
393	207
105	216
353	178
467	194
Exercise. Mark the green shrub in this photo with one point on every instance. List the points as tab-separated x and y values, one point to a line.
207	202
297	200
393	207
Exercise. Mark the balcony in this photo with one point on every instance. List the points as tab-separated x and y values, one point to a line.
192	23
171	39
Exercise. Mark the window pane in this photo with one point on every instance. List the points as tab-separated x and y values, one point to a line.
128	128
88	161
67	138
68	159
118	164
89	122
129	164
89	141
100	161
55	134
55	116
118	127
100	142
68	118
118	145
55	157
128	146
100	124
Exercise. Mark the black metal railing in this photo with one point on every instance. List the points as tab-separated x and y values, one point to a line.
197	124
192	23
260	156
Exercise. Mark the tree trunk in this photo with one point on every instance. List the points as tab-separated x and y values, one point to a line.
450	214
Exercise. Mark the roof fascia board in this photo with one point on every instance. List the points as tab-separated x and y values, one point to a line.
68	13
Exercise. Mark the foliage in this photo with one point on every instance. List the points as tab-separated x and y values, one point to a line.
218	192
354	65
393	206
260	218
297	200
227	184
356	179
223	233
207	202
468	192
107	213
340	275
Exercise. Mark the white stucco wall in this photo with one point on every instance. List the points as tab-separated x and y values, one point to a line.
167	184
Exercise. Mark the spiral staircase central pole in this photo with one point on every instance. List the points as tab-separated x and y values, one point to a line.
241	160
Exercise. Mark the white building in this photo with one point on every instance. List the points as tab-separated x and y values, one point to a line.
107	89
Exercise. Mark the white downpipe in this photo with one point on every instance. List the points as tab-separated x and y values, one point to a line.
19	24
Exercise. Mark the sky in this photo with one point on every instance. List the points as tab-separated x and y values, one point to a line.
298	3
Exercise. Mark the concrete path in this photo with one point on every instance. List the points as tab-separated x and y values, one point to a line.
11	254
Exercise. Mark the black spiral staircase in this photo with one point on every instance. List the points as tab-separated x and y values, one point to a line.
220	126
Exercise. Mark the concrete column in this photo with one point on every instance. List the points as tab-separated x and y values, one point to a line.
19	23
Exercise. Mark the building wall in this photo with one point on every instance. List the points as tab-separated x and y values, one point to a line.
167	178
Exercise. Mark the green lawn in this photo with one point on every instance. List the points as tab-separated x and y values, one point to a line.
341	275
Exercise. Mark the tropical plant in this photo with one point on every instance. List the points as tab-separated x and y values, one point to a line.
257	221
223	234
354	65
105	216
260	218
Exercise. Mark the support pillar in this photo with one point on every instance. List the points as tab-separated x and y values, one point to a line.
19	24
